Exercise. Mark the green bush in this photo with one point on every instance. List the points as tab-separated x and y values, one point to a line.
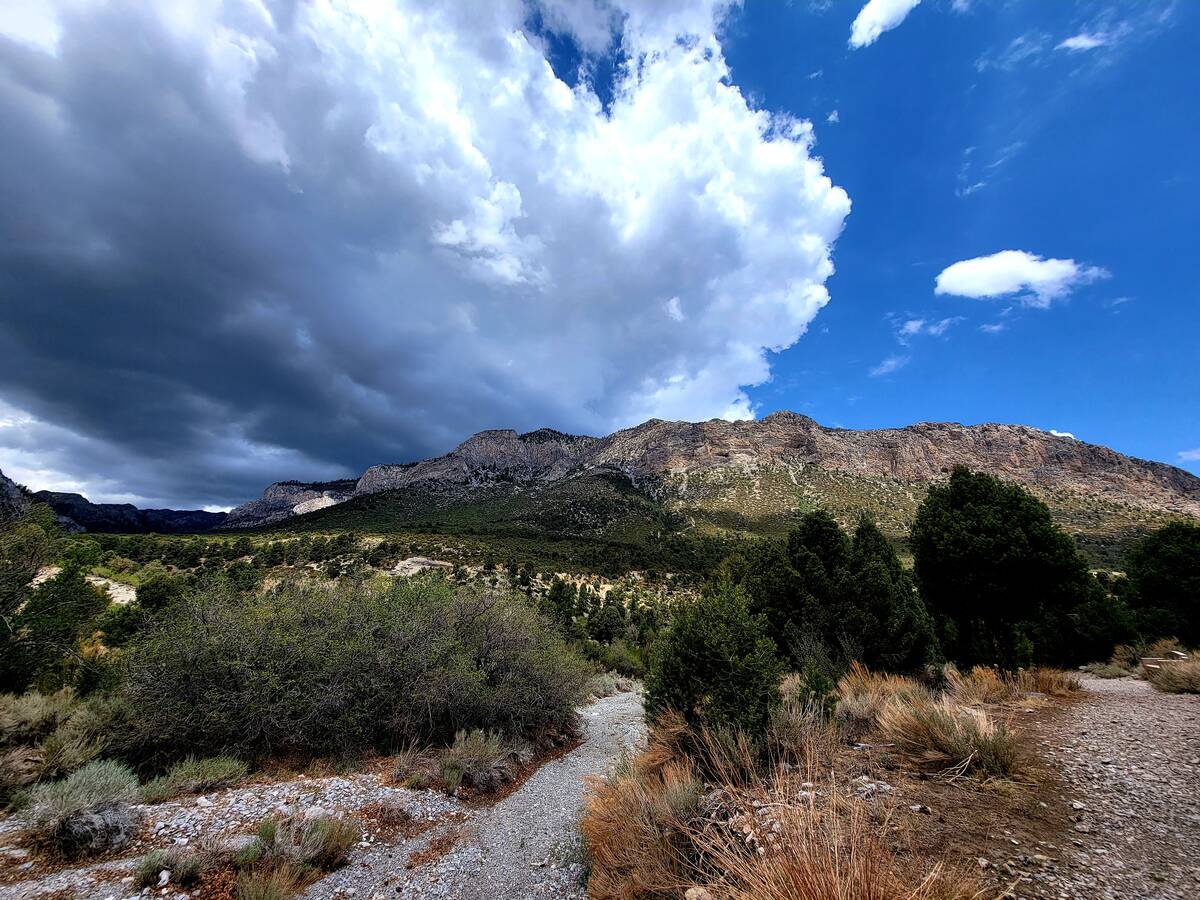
1164	581
195	776
30	717
328	668
186	866
716	665
89	812
477	758
300	846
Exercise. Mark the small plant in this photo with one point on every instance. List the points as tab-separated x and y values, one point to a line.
194	776
302	846
18	770
1106	670
862	694
1051	682
272	884
185	866
89	812
979	686
477	758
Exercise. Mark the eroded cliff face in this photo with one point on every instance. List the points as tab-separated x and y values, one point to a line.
285	499
661	457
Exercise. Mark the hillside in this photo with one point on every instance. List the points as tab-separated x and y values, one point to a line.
721	478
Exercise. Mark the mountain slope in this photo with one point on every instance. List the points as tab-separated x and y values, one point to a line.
754	476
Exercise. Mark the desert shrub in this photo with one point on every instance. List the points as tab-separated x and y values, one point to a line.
328	668
999	577
186	866
301	846
717	664
1176	677
943	734
195	776
30	717
1107	670
477	758
802	733
88	812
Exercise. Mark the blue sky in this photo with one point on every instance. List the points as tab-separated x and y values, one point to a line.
950	149
269	239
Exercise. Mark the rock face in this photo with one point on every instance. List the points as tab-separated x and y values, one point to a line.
285	499
14	502
77	513
657	454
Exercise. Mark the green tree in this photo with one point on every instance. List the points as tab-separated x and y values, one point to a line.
999	577
1164	580
716	664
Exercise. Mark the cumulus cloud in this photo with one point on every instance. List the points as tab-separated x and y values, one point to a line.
876	17
259	240
1065	434
1037	281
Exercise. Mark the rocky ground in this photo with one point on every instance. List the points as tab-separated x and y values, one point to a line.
1132	757
518	848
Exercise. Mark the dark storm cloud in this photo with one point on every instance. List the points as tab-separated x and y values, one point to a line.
266	245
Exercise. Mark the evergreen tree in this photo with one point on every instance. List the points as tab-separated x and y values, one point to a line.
1164	582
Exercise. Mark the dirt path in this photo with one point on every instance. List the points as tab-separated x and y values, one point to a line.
1132	757
521	847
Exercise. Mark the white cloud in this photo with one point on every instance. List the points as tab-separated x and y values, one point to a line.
1065	434
833	118
464	240
889	365
1039	281
876	17
1083	41
993	327
1190	455
910	328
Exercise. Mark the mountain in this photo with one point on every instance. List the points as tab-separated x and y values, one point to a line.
14	501
719	477
77	513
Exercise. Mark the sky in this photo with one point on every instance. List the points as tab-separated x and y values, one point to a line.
248	241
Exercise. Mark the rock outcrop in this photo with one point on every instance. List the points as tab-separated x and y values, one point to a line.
14	502
285	499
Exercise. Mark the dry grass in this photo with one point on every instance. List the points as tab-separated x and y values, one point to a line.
1176	677
862	694
979	686
950	736
1051	682
651	831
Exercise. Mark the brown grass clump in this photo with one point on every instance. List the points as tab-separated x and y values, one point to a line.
950	736
652	831
1051	682
1176	677
862	694
979	686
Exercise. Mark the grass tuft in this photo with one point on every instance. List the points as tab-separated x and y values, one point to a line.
89	812
1177	677
950	736
194	776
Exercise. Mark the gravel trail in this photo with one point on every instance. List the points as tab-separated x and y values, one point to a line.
1132	756
519	848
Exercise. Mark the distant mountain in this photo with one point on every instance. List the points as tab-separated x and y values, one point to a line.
77	513
716	476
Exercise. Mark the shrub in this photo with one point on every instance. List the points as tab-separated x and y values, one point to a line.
186	866
323	668
1164	580
19	768
978	686
1051	682
716	665
195	776
301	846
944	734
88	812
1176	677
30	717
477	758
1107	670
273	884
